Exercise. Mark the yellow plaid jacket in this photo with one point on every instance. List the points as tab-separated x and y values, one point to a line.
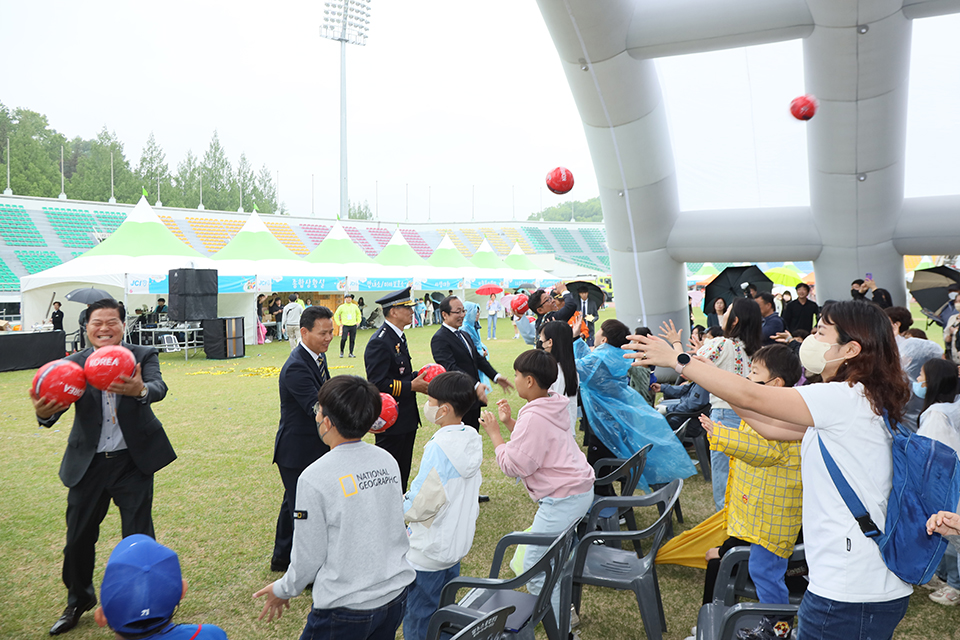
764	492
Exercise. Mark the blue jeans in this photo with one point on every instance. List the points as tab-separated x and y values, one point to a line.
767	570
948	570
423	600
491	327
824	619
719	462
553	517
380	623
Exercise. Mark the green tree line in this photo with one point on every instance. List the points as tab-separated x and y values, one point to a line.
34	160
571	211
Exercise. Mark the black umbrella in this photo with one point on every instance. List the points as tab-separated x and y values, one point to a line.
87	295
929	288
732	283
594	292
437	297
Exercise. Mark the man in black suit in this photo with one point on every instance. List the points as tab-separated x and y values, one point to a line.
456	352
114	448
588	310
57	317
389	368
298	444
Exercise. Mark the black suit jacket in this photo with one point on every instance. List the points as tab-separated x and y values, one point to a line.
451	352
146	440
298	443
388	365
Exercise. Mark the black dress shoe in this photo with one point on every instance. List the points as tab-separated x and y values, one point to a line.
70	617
483	498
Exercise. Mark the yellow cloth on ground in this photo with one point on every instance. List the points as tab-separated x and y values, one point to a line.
689	549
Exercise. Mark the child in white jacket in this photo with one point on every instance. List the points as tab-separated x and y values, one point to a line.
441	506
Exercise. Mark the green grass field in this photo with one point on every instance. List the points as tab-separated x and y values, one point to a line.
217	505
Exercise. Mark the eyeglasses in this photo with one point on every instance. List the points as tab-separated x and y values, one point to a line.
457	312
112	324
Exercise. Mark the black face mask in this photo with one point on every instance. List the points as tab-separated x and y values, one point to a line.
856	295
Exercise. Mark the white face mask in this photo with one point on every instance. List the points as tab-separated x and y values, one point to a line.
812	352
430	412
952	295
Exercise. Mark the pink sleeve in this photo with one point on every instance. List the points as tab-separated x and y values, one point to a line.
514	462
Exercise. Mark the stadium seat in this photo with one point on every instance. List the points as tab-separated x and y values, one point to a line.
354	234
417	243
8	280
538	239
316	233
282	232
36	261
380	235
496	241
17	229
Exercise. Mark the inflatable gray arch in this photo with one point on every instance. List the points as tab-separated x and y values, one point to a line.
856	62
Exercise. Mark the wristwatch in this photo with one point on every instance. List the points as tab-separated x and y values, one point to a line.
682	360
143	393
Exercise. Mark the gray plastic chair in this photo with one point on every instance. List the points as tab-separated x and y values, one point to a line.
701	446
487	594
722	618
489	627
622	569
628	473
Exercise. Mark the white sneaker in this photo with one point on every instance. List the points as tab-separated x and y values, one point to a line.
947	596
935	584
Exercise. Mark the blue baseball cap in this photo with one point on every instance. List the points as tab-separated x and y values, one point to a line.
141	586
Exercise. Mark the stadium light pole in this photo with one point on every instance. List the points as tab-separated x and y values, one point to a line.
8	191
346	21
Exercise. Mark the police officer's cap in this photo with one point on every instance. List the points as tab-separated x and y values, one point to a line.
400	298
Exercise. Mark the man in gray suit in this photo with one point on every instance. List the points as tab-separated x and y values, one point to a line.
114	448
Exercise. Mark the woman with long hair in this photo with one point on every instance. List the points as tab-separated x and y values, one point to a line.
852	593
557	340
742	337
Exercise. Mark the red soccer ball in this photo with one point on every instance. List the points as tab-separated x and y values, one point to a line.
61	380
107	364
431	371
520	304
804	107
388	414
560	180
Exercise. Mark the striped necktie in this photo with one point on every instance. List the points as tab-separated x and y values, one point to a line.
322	363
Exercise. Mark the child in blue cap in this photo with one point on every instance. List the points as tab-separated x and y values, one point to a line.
141	590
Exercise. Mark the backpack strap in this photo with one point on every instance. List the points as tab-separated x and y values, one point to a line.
199	626
862	516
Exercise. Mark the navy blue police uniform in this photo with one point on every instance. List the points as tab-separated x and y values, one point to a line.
388	366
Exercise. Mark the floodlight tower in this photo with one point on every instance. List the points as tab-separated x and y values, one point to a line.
346	21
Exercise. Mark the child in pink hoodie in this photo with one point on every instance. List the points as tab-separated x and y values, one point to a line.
542	454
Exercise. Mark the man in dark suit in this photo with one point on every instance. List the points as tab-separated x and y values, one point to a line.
456	352
298	444
588	310
114	448
388	365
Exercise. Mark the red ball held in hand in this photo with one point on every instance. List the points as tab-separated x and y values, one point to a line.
431	371
520	304
107	364
61	381
388	414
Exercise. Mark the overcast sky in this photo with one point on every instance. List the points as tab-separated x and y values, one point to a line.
454	109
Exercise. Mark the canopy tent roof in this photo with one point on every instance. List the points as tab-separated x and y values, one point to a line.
141	245
338	248
398	253
255	242
518	260
447	256
486	257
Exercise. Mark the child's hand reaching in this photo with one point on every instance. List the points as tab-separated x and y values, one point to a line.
945	523
505	414
707	424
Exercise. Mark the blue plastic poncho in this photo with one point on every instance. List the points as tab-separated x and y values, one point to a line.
622	419
470	323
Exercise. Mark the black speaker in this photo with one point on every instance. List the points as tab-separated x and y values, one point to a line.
223	338
193	294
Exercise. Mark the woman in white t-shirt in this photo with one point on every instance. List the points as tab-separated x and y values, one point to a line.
852	594
557	340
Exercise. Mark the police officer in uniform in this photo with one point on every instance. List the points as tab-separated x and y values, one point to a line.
389	368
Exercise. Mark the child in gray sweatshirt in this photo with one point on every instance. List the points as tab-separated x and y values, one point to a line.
349	536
